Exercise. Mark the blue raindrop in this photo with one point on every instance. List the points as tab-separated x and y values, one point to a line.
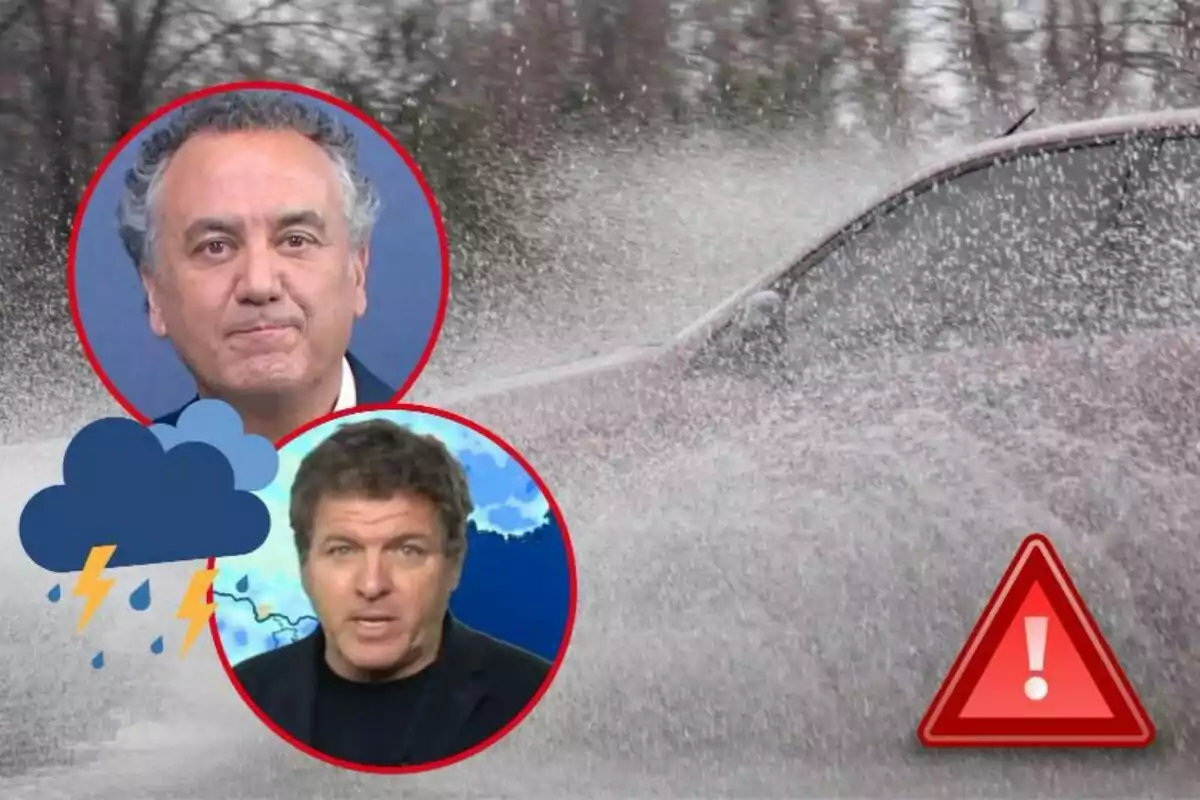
243	583
55	594
156	646
139	600
98	660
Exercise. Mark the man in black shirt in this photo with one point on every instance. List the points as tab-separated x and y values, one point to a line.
390	677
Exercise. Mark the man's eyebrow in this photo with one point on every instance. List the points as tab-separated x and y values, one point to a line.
302	218
203	225
404	538
335	540
399	538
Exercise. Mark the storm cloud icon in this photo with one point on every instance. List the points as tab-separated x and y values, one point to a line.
136	496
121	488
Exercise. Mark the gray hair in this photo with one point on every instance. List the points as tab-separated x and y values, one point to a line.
253	110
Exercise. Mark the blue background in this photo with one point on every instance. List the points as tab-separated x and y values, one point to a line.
517	589
404	281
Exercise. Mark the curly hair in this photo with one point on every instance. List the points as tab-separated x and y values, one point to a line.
252	110
378	459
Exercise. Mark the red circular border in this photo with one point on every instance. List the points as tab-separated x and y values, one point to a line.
558	660
280	86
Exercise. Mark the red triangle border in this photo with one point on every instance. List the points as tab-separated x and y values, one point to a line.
1036	561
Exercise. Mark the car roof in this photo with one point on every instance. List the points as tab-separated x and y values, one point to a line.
1066	134
700	330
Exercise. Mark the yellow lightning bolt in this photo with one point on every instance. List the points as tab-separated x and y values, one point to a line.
195	607
90	585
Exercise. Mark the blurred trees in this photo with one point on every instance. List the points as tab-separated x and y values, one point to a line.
483	90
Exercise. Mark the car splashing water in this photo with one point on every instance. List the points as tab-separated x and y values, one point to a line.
778	569
638	242
782	575
776	574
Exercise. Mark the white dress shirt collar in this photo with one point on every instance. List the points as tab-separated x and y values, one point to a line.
348	394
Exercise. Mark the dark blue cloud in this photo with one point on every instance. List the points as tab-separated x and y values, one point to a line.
120	487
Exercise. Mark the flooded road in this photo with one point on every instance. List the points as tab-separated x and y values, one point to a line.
769	600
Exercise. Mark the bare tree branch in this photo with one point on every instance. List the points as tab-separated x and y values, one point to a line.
230	29
13	17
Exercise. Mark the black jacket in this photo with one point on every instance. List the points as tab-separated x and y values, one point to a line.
479	685
370	389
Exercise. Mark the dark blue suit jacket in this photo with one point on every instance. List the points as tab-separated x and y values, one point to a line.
370	389
478	686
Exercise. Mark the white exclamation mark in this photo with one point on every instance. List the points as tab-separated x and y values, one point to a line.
1036	687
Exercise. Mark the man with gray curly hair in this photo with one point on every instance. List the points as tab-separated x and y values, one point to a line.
250	227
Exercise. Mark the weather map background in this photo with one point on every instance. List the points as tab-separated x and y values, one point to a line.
516	579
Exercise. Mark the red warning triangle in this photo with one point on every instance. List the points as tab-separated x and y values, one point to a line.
1035	671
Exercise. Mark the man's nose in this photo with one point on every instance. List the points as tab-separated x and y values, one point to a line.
374	577
260	280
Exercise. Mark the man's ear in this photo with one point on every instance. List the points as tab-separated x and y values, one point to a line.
153	307
359	263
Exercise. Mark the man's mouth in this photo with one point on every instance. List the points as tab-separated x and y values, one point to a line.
262	328
372	623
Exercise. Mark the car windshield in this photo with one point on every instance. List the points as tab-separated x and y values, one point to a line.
1093	239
